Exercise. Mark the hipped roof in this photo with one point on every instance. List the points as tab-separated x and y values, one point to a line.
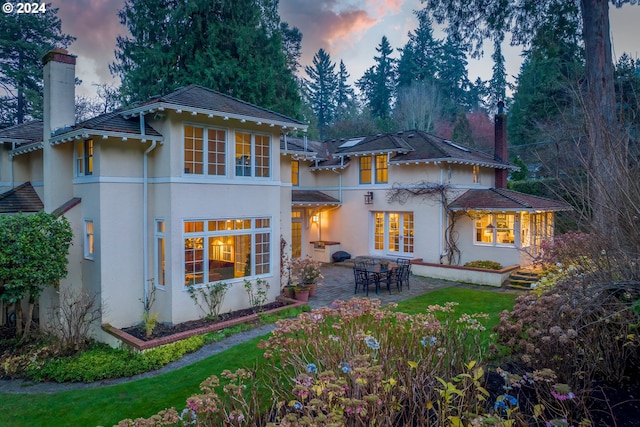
22	198
500	199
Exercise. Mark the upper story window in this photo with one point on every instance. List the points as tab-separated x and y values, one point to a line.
204	151
495	229
295	173
253	155
374	166
476	174
84	158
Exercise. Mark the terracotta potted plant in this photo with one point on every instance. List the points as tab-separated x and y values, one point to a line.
307	272
302	293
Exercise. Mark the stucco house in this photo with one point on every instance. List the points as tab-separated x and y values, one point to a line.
181	189
196	187
411	194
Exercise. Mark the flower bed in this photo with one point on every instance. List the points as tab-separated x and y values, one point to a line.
198	327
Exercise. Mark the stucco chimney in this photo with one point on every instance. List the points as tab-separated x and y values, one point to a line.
500	145
58	113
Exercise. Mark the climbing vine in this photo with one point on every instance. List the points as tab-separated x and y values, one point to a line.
438	193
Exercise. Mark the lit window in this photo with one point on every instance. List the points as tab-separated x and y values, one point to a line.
201	140
365	170
495	229
253	155
382	171
476	174
84	158
160	253
295	172
89	239
228	249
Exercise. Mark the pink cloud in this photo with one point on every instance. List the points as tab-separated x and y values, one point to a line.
385	7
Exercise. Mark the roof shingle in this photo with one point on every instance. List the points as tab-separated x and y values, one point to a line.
22	198
502	199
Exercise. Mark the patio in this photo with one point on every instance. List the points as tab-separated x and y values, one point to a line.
338	284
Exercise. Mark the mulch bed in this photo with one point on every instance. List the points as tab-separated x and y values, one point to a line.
163	330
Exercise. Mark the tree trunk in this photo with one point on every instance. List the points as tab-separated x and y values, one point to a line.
19	318
606	149
21	101
27	326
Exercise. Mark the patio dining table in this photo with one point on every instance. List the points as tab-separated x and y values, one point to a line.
380	272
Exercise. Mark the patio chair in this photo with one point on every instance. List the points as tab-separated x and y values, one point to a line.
363	278
394	277
405	271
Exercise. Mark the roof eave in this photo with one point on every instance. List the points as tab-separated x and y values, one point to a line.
26	149
162	106
86	133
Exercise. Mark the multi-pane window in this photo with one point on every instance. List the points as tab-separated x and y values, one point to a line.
374	166
393	232
199	141
495	229
365	170
160	253
89	239
84	158
223	249
382	170
253	155
476	174
296	234
295	172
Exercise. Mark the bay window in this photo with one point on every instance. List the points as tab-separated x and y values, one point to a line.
84	158
225	249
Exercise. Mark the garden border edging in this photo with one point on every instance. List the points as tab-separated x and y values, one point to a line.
142	345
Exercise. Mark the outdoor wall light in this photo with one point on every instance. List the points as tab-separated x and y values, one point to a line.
315	218
368	198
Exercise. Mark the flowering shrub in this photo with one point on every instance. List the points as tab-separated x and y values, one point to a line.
357	364
580	321
306	270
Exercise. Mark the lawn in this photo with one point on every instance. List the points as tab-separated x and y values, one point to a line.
108	405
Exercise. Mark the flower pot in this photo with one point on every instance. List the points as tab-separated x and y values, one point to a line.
302	294
312	289
289	291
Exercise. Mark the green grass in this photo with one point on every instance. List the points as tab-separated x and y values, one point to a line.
143	398
470	300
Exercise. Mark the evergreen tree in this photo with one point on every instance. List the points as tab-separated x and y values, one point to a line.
627	75
237	47
453	77
497	90
419	57
322	87
378	83
552	64
462	133
345	96
24	39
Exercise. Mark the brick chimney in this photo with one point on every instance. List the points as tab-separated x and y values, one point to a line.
58	113
500	145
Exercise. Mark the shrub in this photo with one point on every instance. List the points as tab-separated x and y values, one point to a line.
580	321
71	318
257	292
102	362
486	264
212	295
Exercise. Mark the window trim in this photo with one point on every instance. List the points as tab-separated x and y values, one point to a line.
494	229
87	158
252	231
373	169
158	236
295	172
253	156
89	239
206	151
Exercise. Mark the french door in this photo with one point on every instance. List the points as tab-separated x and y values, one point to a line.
393	233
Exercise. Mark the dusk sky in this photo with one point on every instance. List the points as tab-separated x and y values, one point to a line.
348	29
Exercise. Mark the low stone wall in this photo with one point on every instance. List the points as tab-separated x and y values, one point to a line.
477	276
